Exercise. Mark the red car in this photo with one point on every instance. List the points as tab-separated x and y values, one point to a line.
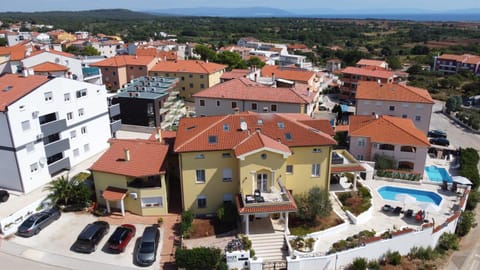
120	237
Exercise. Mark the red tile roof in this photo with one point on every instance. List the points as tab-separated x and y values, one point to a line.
379	73
392	92
146	158
297	46
348	168
370	62
114	193
259	141
125	60
13	87
49	66
193	133
188	66
245	89
37	52
320	125
292	74
235	74
387	129
162	55
16	52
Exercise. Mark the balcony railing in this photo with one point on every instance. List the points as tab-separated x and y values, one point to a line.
90	72
57	147
53	127
57	166
114	110
115	126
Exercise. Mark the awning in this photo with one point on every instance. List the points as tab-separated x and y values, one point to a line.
114	193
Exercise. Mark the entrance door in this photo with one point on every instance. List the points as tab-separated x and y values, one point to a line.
262	182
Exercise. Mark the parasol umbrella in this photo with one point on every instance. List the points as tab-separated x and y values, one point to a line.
405	198
429	207
461	180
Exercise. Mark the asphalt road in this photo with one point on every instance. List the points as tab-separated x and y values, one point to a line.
456	134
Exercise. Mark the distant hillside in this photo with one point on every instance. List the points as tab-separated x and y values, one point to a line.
53	17
224	12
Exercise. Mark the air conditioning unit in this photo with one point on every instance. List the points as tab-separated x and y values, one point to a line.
39	136
35	114
133	195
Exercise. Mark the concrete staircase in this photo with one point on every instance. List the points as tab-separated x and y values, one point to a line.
268	246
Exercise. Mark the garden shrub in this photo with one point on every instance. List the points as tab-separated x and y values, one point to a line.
394	258
312	204
359	264
423	253
466	222
373	265
446	242
187	220
227	213
198	258
473	199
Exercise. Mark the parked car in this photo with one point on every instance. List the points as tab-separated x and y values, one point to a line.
437	133
440	141
147	250
121	237
4	195
90	236
37	222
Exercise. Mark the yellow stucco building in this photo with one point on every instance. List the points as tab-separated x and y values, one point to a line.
193	75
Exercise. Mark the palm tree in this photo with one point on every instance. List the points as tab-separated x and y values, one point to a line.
68	191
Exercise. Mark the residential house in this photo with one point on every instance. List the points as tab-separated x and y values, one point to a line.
11	56
242	94
48	125
131	176
454	63
14	38
161	55
108	48
148	101
193	75
366	63
292	74
395	99
352	75
333	65
118	70
254	160
248	42
298	47
234	74
299	61
392	137
50	69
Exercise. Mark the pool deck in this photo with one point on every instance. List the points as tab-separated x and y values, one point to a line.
381	221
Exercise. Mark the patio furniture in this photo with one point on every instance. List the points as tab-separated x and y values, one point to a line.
409	213
445	185
387	208
397	210
259	199
420	216
249	199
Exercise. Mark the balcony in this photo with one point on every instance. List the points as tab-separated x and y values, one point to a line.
90	72
114	110
115	125
57	147
53	127
59	165
266	202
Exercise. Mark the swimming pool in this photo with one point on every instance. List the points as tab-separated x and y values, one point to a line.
390	192
437	174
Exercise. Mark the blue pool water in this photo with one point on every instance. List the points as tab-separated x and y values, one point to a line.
389	193
437	174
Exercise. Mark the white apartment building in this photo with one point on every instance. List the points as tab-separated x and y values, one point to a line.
48	125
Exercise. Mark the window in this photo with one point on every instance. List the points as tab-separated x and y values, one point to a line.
316	170
81	112
183	78
190	75
83	130
202	85
316	150
288	136
254	106
228	197
408	148
218	103
48	96
280	125
212	139
391	108
152	202
22	107
202	102
191	85
387	147
201	76
226	127
418	118
70	116
200	176
34	167
76	152
227	175
226	155
359	157
361	142
66	97
202	202
273	107
234	104
200	156
183	88
404	116
366	102
81	93
289	169
263	156
260	122
25	125
73	134
86	147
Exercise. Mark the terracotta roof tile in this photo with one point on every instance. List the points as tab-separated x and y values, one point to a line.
350	168
235	74
258	141
383	74
114	193
193	133
392	92
146	158
36	52
188	66
292	74
387	129
16	52
125	60
49	66
13	87
245	89
371	62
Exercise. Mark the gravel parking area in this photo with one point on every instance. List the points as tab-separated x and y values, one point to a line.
59	237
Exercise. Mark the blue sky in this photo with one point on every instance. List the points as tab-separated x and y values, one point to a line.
354	5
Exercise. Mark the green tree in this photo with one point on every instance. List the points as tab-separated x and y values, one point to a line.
313	203
471	89
90	51
420	49
3	42
68	192
446	242
198	258
452	104
232	59
205	52
255	61
227	213
415	69
466	222
359	264
394	62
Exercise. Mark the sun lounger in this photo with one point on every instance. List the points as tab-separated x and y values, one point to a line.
409	213
387	208
397	210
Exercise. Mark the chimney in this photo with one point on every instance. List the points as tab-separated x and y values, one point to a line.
159	135
236	110
308	91
24	72
127	154
273	76
255	76
30	71
187	112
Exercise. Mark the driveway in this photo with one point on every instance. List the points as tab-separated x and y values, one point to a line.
57	239
456	134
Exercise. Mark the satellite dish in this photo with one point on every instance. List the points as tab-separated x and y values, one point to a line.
243	125
42	161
